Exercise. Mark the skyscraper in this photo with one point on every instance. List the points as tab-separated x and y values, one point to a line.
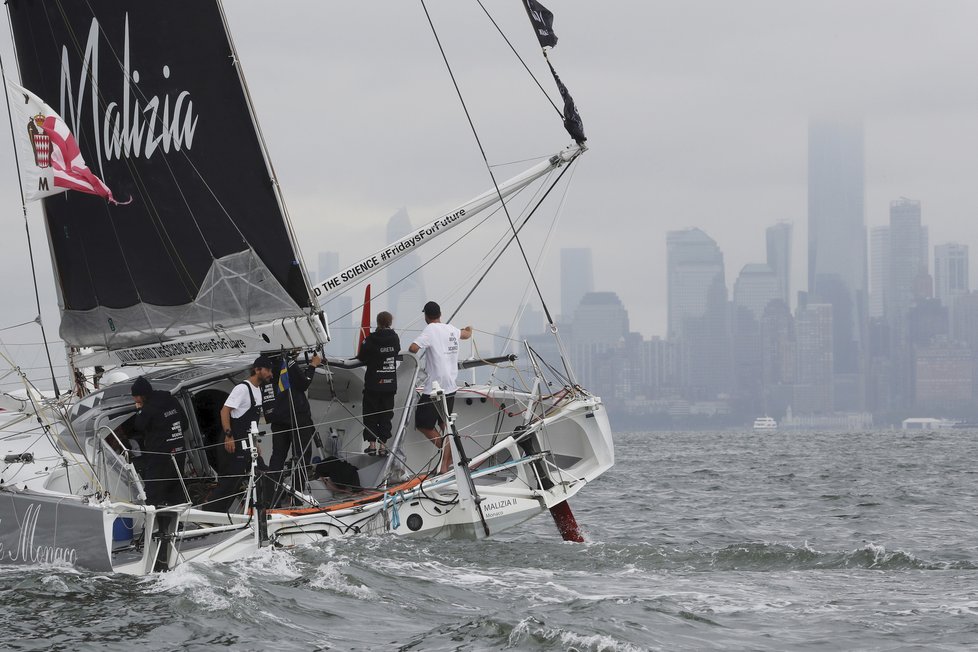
699	312
406	293
908	257
694	266
814	390
779	257
908	281
599	338
756	286
950	272
837	238
879	254
576	279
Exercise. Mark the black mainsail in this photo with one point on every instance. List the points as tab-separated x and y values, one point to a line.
157	105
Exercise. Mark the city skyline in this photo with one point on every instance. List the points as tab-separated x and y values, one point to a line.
725	148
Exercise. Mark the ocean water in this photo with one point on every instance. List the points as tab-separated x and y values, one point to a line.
696	541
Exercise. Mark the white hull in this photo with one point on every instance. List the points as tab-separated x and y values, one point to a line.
67	520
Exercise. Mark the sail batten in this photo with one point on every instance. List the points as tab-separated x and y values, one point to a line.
205	244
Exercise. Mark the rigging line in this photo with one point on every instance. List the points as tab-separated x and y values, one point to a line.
546	245
410	273
511	47
511	238
525	160
492	176
27	229
36	320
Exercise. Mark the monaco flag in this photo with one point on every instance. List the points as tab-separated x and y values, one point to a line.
49	156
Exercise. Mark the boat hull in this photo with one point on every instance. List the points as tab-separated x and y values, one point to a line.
37	528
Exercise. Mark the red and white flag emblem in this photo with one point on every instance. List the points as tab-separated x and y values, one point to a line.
49	156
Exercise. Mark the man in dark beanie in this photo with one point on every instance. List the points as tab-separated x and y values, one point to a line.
161	421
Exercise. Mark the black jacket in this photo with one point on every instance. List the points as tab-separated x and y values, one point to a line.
299	380
379	352
161	422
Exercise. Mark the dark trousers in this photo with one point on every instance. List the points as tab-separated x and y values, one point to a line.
378	414
233	468
161	482
286	437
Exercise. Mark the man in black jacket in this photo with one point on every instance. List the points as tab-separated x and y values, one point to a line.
161	422
291	417
379	352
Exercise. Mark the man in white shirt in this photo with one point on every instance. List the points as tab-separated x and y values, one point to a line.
440	345
242	407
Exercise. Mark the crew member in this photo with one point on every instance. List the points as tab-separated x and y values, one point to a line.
440	345
242	407
379	352
161	422
291	418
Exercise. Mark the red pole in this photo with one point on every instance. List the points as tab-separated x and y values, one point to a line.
566	523
365	318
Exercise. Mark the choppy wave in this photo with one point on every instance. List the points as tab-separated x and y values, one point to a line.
696	541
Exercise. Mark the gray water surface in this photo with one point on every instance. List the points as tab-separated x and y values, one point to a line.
696	541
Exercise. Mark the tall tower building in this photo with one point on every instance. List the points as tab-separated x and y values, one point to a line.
814	389
406	293
756	286
779	257
599	341
699	312
837	239
908	258
950	272
694	267
879	269
576	279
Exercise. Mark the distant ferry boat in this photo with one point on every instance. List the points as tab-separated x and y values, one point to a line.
765	424
928	424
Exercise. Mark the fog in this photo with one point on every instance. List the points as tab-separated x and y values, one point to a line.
696	113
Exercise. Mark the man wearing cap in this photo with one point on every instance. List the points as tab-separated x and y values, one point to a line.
292	426
242	407
161	421
439	342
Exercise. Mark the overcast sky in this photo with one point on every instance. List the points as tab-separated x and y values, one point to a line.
696	114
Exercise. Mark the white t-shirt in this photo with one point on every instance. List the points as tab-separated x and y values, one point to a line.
238	399
439	342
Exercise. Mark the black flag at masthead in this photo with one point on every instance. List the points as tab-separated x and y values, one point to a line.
543	23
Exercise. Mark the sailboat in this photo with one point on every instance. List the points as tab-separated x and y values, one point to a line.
193	269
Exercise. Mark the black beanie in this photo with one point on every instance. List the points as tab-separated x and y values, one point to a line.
141	387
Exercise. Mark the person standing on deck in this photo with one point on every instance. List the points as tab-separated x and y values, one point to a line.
161	421
379	352
440	345
242	407
291	420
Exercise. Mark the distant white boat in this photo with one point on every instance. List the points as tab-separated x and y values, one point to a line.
927	424
765	424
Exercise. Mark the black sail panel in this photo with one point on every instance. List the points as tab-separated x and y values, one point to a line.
152	94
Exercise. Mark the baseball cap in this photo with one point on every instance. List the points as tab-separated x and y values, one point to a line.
263	361
432	309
